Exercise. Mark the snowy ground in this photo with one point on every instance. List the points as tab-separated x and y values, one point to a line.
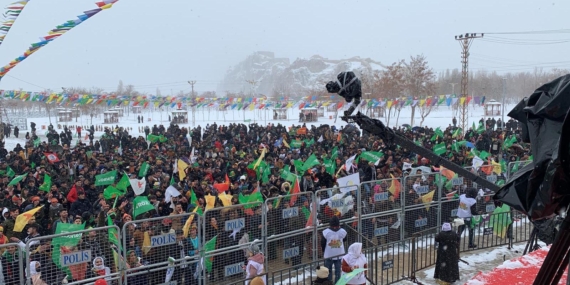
479	261
439	117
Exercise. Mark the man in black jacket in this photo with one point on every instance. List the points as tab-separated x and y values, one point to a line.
80	206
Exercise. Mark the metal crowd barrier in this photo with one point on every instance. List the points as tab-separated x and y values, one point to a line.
80	257
12	265
156	251
393	218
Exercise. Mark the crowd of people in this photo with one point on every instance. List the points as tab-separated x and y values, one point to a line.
215	154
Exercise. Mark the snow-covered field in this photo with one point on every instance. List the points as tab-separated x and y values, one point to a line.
439	117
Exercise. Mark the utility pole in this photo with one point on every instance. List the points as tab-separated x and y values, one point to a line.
192	82
465	43
452	87
503	111
253	83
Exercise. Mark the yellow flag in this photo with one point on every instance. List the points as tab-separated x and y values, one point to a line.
496	167
146	243
186	228
181	169
23	219
427	198
210	201
286	144
226	199
261	156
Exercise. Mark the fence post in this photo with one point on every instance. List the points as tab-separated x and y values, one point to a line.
359	211
403	208
316	243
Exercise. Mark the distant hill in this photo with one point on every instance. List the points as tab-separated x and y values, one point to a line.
276	76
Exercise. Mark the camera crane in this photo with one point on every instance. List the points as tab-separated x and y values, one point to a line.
389	137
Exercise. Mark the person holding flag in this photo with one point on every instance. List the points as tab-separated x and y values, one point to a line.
467	208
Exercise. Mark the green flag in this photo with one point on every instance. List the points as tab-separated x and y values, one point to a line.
141	205
287	175
483	155
209	246
124	183
10	172
509	142
105	178
481	128
309	143
111	192
193	198
334	153
475	220
37	142
456	133
500	220
47	183
438	134
298	165
330	166
67	241
372	156
17	179
439	149
253	198
295	144
144	169
113	234
89	154
310	162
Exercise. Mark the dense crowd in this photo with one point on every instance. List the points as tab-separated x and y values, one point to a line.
214	155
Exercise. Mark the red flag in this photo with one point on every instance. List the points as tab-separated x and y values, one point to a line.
312	215
296	189
395	187
223	187
339	105
52	157
447	173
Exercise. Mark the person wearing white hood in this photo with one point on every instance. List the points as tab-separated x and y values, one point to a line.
254	265
353	260
99	268
35	273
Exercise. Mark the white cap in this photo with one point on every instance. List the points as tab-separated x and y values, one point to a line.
242	177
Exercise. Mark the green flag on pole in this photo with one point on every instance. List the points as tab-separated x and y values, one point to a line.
124	183
439	149
47	183
141	205
10	172
144	169
65	241
112	192
17	179
105	178
209	246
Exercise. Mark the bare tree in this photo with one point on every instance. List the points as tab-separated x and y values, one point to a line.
120	88
419	81
390	83
425	109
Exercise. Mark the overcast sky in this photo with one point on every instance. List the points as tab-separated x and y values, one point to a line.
163	44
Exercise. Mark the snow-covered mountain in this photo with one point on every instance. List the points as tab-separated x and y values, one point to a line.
263	73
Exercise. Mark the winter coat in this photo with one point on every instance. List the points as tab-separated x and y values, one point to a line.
446	264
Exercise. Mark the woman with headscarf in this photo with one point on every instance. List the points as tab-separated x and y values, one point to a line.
35	273
254	265
99	268
446	263
353	260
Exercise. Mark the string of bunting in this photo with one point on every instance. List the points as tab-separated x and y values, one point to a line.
12	13
54	33
251	103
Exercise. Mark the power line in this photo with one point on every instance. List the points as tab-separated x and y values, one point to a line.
26	81
559	31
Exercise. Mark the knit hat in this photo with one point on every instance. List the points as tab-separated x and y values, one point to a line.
322	272
446	227
256	281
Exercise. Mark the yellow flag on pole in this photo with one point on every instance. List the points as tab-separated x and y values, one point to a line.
23	219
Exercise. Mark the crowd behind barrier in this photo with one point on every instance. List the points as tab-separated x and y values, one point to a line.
195	206
388	232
